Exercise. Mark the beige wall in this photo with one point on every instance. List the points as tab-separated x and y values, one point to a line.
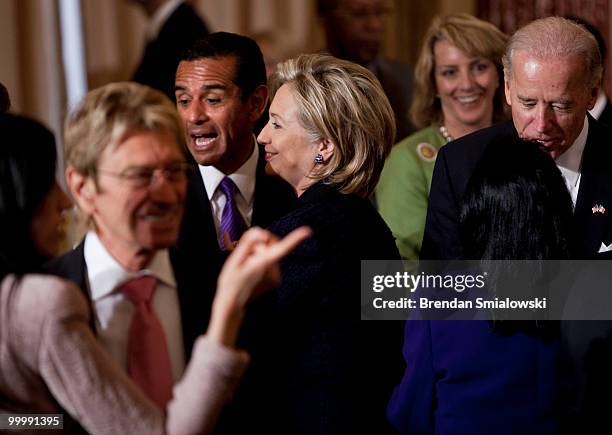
114	39
9	72
410	21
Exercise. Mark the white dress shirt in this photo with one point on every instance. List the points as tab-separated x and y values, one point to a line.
113	310
570	162
244	178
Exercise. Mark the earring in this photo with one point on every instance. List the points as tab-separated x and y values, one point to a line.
318	159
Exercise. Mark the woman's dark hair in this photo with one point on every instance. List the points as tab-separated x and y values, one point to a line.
27	174
516	206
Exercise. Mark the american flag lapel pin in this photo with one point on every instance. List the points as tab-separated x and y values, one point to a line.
598	208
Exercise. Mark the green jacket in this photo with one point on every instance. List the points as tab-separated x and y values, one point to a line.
403	190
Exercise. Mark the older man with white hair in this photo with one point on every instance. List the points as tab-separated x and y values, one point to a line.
553	72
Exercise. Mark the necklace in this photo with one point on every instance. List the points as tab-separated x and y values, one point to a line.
444	132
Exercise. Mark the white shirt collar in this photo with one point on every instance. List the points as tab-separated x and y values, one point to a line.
600	105
105	273
570	161
159	18
244	177
572	158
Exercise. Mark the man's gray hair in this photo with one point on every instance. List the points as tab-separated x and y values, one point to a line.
555	38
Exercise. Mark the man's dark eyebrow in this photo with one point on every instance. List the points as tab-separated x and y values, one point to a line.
204	88
213	86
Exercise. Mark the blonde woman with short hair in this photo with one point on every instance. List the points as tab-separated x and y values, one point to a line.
458	90
330	130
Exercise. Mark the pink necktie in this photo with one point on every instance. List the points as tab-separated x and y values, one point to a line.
148	358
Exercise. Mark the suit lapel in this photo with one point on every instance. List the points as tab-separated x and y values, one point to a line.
592	223
72	266
198	224
196	261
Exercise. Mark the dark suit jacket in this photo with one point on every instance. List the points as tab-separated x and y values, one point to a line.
586	380
162	55
455	164
606	116
316	369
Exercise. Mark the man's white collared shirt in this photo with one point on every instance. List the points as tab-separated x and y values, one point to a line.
570	162
244	178
113	310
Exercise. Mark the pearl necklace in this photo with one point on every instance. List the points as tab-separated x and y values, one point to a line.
444	132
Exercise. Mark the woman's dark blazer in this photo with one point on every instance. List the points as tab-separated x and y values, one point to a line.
329	372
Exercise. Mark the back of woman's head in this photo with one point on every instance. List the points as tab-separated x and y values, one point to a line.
27	173
516	206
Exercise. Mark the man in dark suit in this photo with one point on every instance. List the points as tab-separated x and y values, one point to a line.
354	31
552	71
127	172
550	94
221	93
172	27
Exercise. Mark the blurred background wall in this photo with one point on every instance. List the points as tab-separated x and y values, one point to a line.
113	36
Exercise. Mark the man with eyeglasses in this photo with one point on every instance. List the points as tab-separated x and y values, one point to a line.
354	31
126	170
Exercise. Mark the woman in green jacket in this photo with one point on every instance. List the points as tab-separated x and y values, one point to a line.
458	90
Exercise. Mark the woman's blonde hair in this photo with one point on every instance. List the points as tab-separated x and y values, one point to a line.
475	38
344	103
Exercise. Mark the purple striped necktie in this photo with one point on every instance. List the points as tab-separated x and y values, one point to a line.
231	220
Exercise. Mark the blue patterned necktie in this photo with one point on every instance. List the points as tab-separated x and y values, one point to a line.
231	220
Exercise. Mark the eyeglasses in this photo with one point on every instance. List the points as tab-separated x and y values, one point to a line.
142	176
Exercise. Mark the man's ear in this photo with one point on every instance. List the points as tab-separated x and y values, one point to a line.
507	92
326	149
83	189
593	97
257	102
